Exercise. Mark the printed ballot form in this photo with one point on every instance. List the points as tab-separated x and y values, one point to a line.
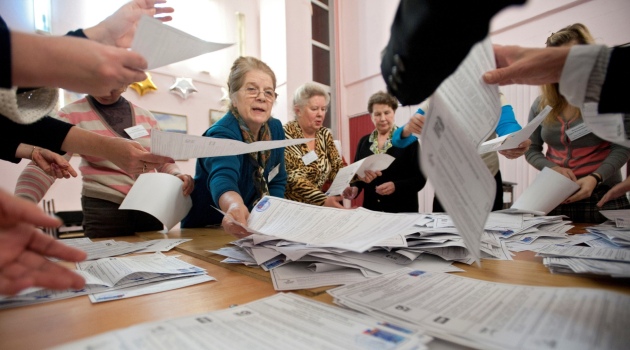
463	112
356	229
548	190
161	44
184	146
489	315
375	162
282	321
160	195
514	139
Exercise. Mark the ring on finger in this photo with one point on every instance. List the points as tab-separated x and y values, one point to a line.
144	167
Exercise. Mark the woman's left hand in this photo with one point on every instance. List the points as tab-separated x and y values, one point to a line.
189	183
386	189
517	152
587	185
52	163
369	176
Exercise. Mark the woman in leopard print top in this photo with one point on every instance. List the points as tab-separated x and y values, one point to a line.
310	165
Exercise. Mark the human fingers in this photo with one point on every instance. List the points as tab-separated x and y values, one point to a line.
60	167
334	202
232	227
40	161
133	66
608	196
14	210
10	286
48	246
189	183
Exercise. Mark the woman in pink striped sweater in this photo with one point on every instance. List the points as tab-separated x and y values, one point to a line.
105	185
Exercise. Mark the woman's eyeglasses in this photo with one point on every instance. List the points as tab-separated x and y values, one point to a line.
251	91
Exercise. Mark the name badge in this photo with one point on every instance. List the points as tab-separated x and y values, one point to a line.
273	173
136	132
578	131
309	158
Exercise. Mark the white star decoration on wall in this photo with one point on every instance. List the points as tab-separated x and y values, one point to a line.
183	87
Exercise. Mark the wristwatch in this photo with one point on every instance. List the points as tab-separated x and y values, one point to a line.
597	177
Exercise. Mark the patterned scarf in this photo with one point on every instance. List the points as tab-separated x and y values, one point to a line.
374	140
258	159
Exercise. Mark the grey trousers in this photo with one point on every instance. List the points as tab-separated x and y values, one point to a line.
102	218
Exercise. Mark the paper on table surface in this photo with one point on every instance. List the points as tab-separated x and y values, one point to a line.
352	229
375	162
161	44
184	146
463	112
150	288
270	323
549	189
160	195
514	139
443	304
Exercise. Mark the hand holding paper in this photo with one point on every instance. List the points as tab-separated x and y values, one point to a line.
514	139
161	44
548	190
167	204
375	162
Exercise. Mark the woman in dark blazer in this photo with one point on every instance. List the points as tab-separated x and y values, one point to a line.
396	190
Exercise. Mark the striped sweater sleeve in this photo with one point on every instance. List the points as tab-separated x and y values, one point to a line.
33	183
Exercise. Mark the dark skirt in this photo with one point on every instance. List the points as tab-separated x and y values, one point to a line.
102	218
586	210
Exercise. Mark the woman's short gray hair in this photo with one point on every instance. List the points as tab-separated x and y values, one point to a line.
308	90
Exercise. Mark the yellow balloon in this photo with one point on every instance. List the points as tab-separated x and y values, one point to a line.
142	87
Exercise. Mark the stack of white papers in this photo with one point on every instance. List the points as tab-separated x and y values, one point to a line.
489	315
586	260
306	253
110	247
282	321
117	278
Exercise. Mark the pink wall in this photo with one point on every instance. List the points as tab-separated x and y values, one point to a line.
279	33
363	31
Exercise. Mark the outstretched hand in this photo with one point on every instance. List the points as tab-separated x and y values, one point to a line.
52	163
23	249
529	66
119	28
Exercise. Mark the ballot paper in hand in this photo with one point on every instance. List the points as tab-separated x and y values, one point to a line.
610	127
511	141
463	112
184	146
375	162
160	195
548	190
161	44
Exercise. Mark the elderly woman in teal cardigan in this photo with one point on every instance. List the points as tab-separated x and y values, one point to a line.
235	184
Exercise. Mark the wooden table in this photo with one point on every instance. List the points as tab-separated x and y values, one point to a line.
50	324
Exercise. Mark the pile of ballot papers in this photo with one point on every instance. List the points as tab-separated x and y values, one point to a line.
489	315
117	278
110	247
306	246
607	252
281	321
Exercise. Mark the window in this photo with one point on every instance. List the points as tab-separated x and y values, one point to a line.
321	50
